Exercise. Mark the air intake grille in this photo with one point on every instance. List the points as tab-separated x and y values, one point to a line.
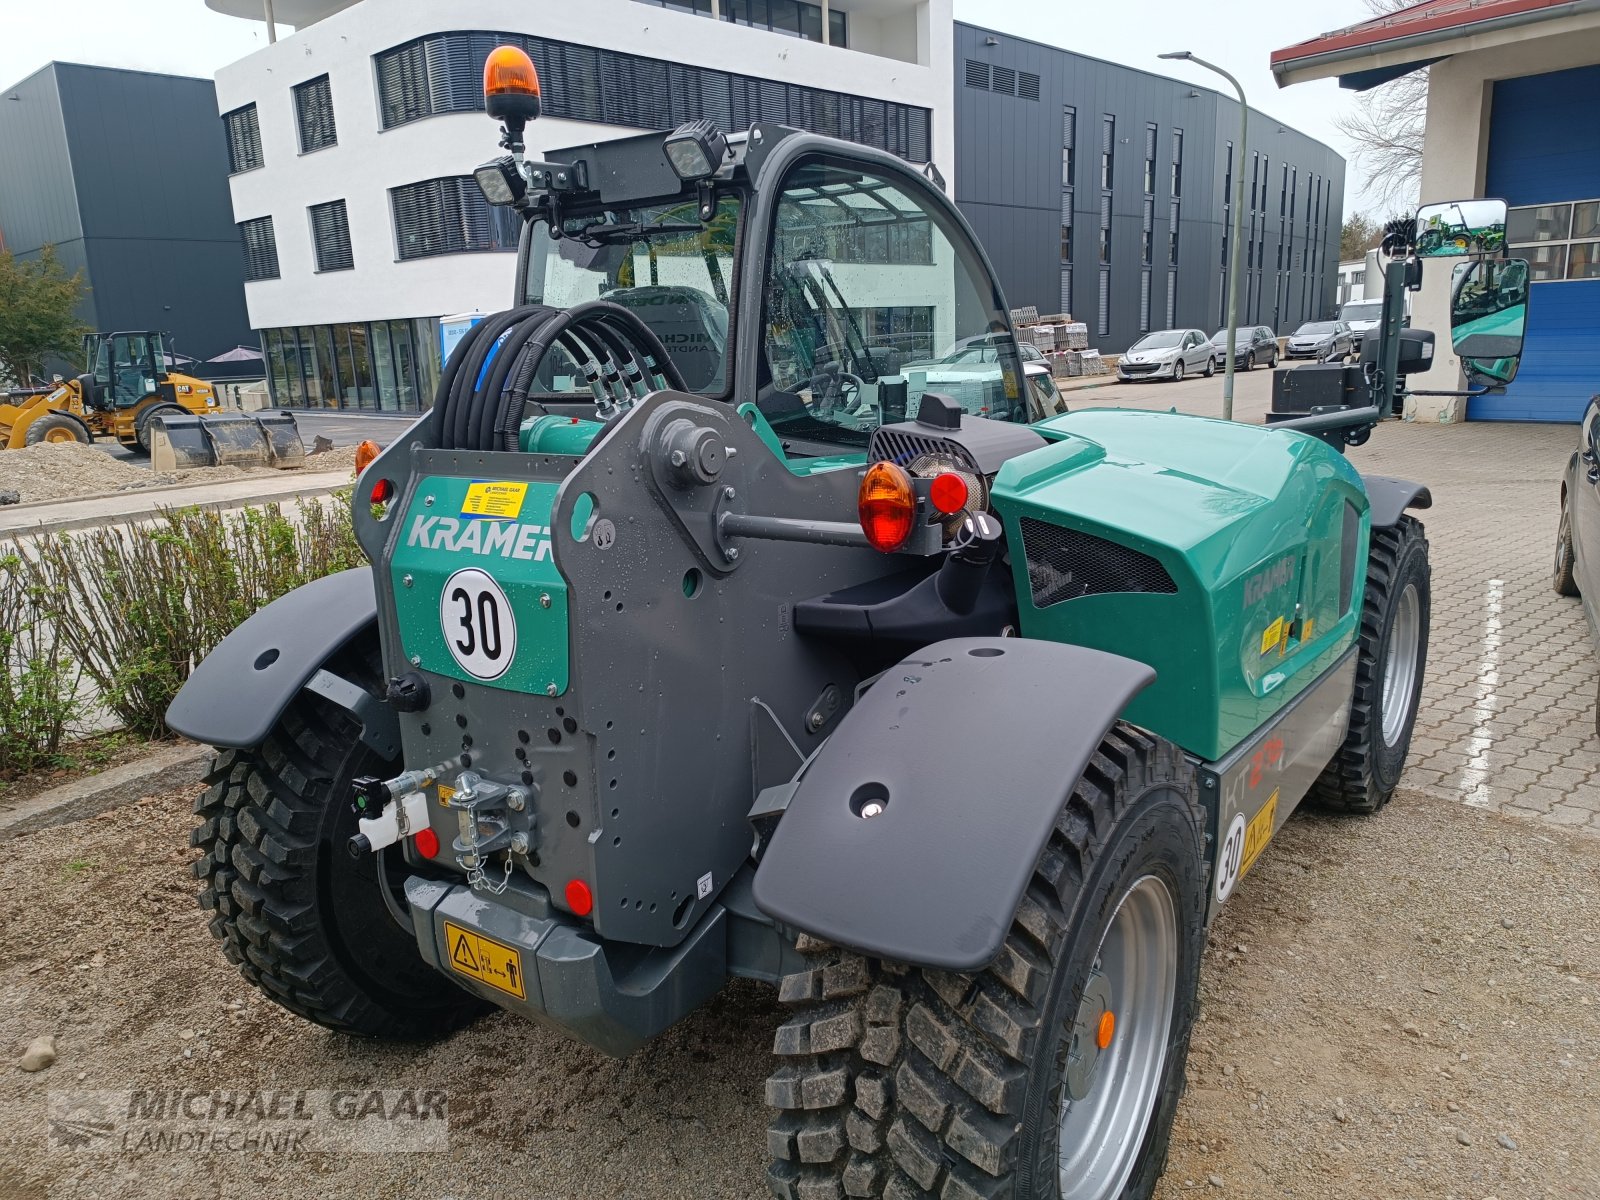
903	449
1064	564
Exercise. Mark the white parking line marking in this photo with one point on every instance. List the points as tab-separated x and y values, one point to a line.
1475	775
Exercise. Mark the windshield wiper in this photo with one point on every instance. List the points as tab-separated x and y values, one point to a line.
602	233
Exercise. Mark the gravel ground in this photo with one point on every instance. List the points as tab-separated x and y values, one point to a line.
1405	1006
69	470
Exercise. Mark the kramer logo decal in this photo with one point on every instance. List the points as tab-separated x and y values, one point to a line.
508	539
1263	583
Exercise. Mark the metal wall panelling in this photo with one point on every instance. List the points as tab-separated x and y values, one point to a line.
1007	180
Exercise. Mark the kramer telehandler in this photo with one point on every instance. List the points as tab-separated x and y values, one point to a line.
706	637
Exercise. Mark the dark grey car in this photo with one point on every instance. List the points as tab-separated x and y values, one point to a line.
1322	340
1252	345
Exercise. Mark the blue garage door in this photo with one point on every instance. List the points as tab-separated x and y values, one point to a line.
1544	150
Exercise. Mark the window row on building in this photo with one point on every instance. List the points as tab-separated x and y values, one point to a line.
1300	252
792	18
443	73
434	216
379	366
1007	82
1560	241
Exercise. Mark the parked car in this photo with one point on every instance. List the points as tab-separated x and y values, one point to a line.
1253	344
1362	315
1168	354
1322	340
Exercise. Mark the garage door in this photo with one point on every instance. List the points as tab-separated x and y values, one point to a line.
1560	361
1544	159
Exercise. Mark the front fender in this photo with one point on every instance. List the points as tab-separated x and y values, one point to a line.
1391	497
241	688
972	747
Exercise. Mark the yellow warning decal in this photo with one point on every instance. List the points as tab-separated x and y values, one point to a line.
1272	635
446	794
477	957
1305	632
1259	832
502	500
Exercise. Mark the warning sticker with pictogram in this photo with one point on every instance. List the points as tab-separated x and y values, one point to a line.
477	957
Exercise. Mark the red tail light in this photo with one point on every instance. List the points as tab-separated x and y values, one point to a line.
579	898
382	492
887	505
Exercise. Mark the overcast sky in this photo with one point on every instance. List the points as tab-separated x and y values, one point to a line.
184	37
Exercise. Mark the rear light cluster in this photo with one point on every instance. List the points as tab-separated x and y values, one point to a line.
887	503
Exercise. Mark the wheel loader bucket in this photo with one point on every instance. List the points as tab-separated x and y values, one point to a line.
181	443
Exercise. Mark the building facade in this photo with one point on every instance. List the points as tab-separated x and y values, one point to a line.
1107	192
123	172
1512	89
352	141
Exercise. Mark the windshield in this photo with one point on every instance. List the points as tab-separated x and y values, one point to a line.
1164	340
874	298
660	261
1314	327
1362	312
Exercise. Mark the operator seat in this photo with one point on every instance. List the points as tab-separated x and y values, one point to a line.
692	326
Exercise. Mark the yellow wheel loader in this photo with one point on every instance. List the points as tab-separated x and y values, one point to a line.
126	387
129	394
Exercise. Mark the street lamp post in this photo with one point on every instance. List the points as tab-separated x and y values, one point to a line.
1238	221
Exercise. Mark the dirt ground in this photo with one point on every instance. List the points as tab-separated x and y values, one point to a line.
1405	1006
71	470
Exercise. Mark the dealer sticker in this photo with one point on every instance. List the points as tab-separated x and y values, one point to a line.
499	499
1259	832
477	957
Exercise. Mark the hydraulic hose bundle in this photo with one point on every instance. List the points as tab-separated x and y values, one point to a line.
483	390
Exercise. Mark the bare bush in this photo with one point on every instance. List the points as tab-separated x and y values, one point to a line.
138	606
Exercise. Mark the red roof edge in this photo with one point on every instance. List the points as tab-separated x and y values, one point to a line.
1429	17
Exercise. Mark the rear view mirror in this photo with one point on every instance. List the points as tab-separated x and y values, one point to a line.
1461	227
1489	315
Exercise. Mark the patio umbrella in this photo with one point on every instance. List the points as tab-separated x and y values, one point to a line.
237	354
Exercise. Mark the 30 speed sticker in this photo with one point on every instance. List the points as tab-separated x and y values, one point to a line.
477	623
1230	858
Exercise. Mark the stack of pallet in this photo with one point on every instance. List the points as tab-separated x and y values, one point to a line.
1060	339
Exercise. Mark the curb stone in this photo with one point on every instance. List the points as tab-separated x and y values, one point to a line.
169	767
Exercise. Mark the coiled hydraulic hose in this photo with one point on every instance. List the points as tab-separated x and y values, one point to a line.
483	389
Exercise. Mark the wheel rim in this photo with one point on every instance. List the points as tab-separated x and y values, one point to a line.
1400	667
1563	540
1177	370
59	435
1119	1084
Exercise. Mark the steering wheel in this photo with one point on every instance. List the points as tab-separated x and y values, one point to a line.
832	388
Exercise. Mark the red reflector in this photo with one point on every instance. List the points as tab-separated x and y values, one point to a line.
579	898
382	492
948	493
428	844
887	505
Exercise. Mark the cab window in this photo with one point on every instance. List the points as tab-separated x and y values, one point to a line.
661	261
873	298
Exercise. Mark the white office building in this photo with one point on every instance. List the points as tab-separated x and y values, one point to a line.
352	140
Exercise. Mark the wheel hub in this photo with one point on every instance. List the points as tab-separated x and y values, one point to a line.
1400	666
1117	1045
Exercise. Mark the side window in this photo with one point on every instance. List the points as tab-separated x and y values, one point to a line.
871	300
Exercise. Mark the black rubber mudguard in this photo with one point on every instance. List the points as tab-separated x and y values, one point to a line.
240	689
971	747
1391	497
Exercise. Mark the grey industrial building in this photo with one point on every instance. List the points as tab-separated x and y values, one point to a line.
126	174
1106	192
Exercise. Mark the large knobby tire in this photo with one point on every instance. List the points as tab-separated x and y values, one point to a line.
1566	584
55	427
1390	663
304	922
141	425
902	1082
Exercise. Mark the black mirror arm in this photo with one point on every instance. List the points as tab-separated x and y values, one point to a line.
1469	393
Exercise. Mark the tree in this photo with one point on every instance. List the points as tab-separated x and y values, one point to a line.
38	322
1386	128
1360	234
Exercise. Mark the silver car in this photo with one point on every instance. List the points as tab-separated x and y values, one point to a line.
1169	354
1323	341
